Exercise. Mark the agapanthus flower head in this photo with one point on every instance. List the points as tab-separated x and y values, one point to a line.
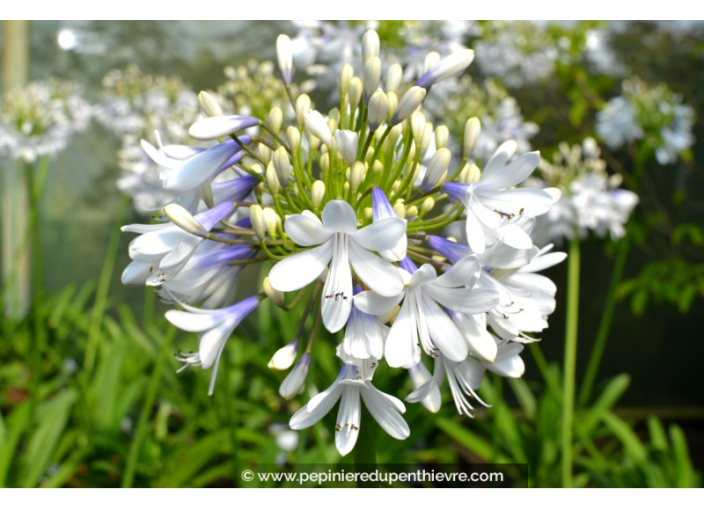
41	118
652	113
591	200
350	213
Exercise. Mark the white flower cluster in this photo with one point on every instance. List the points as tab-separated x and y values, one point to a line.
651	113
322	48
40	119
518	52
134	106
352	220
591	200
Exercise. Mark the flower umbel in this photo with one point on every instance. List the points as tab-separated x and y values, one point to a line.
349	207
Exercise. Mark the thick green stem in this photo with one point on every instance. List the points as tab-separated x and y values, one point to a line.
101	295
570	360
607	315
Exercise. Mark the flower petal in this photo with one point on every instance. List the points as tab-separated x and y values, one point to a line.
508	362
379	275
337	292
444	333
381	235
375	304
401	349
386	412
511	175
298	270
463	300
305	230
317	408
464	272
338	216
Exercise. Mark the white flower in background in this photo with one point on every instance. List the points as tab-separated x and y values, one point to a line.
591	200
652	113
349	389
518	52
617	123
134	106
41	118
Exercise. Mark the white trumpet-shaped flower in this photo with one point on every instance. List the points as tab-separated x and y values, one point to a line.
341	245
348	388
422	315
491	206
215	328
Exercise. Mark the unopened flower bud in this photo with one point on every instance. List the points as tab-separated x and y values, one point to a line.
409	103
418	127
264	152
395	134
427	137
284	357
471	133
368	213
347	142
372	76
294	138
355	92
318	126
378	107
446	68
294	381
411	212
370	45
442	135
276	119
356	175
436	169
271	179
303	105
317	193
346	75
473	174
272	221
184	220
325	162
427	205
431	59
377	167
278	298
394	76
393	103
284	54
256	216
209	105
282	165
400	209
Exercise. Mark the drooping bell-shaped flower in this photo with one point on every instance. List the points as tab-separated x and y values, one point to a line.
215	328
351	391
